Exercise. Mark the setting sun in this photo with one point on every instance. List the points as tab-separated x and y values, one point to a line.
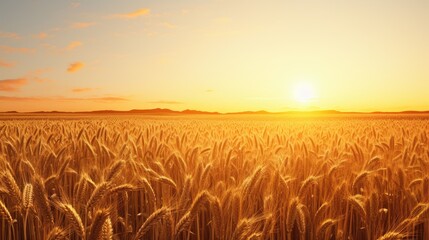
304	93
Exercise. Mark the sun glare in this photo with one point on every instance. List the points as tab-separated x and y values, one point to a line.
304	93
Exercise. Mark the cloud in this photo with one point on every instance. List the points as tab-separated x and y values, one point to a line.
60	99
79	90
41	35
75	67
80	25
15	99
6	64
135	14
12	85
60	50
15	85
209	90
73	45
10	35
8	49
165	102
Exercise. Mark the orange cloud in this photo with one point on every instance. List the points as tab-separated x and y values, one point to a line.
12	85
9	35
8	49
41	35
6	64
75	67
61	99
73	45
137	13
80	25
79	90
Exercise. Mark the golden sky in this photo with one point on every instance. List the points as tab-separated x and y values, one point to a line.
214	55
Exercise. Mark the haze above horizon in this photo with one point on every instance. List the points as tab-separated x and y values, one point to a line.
216	55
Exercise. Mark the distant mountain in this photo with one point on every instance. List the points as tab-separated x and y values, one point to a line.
155	111
166	111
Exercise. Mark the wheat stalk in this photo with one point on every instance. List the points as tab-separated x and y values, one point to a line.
41	200
98	194
72	217
97	225
27	196
12	187
4	212
114	170
156	216
57	233
107	230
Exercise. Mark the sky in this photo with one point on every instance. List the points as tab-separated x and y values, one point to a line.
214	55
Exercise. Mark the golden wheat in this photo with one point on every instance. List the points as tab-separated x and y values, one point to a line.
223	177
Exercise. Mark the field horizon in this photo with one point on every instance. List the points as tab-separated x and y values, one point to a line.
167	111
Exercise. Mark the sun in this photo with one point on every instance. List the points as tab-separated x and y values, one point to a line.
303	93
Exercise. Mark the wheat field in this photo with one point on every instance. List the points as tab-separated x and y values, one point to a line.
214	178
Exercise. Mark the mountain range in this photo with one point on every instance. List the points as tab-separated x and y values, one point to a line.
166	111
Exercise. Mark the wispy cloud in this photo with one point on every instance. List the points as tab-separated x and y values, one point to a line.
165	102
62	49
12	85
10	35
80	90
60	99
37	75
16	99
134	14
73	45
75	67
8	49
209	90
80	25
41	35
6	64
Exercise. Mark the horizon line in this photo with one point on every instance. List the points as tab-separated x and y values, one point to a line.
161	111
